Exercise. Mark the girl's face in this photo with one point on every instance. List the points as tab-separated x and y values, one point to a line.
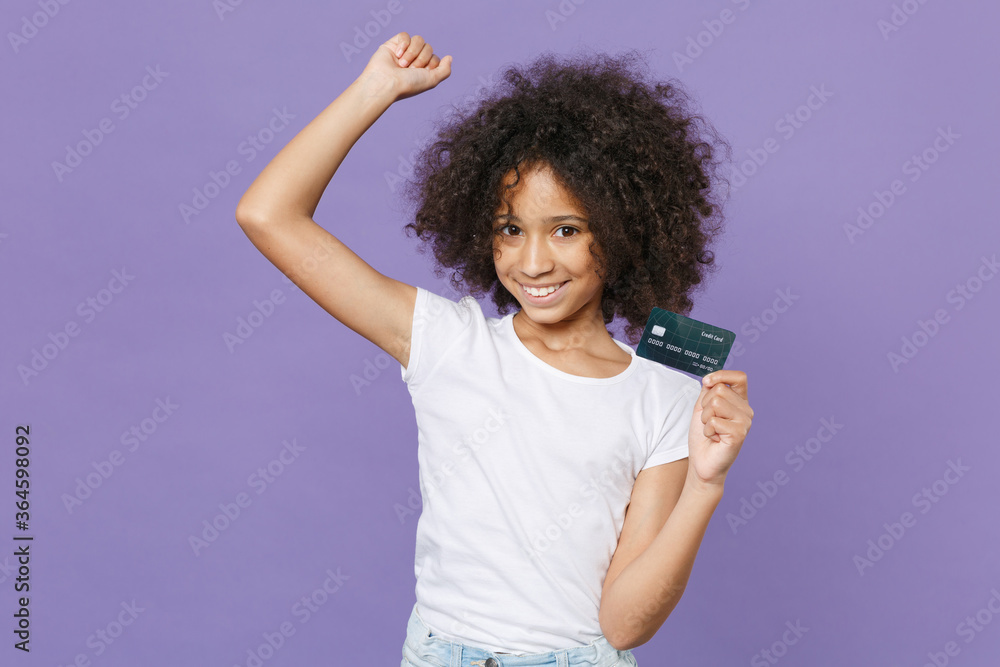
545	243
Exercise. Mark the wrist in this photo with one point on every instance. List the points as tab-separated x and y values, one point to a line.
376	88
696	485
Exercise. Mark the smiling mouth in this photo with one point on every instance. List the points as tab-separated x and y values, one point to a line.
542	294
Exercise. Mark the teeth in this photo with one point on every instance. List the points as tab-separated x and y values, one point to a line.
541	292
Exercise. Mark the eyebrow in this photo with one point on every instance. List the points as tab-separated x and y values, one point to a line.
554	218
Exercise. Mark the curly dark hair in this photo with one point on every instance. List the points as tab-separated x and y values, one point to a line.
628	149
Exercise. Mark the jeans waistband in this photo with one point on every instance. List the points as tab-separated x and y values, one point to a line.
427	648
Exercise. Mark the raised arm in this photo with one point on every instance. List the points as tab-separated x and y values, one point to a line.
276	210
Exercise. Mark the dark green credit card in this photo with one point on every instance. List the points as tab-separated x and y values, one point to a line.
685	344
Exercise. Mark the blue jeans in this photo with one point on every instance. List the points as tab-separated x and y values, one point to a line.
423	648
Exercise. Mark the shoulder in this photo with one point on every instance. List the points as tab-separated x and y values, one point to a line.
440	325
430	305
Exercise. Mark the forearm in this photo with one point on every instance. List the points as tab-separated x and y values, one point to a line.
292	184
644	594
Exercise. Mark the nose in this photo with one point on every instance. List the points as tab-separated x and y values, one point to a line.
536	256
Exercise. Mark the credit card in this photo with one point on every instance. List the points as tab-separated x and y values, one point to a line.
685	344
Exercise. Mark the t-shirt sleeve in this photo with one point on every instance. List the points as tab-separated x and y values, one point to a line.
438	322
673	444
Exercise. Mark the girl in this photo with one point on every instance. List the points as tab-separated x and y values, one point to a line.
567	483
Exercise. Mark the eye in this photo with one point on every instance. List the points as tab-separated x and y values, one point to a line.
501	228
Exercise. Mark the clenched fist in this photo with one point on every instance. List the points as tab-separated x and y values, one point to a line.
406	66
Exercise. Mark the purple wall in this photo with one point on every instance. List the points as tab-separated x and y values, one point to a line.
123	303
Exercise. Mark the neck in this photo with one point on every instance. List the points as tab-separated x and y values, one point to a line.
568	334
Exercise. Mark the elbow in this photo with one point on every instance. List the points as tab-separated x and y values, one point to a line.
631	627
626	643
617	638
245	216
615	643
621	643
250	215
252	211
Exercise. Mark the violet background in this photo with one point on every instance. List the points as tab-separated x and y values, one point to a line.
335	507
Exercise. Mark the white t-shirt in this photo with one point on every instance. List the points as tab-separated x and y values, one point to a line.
525	473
